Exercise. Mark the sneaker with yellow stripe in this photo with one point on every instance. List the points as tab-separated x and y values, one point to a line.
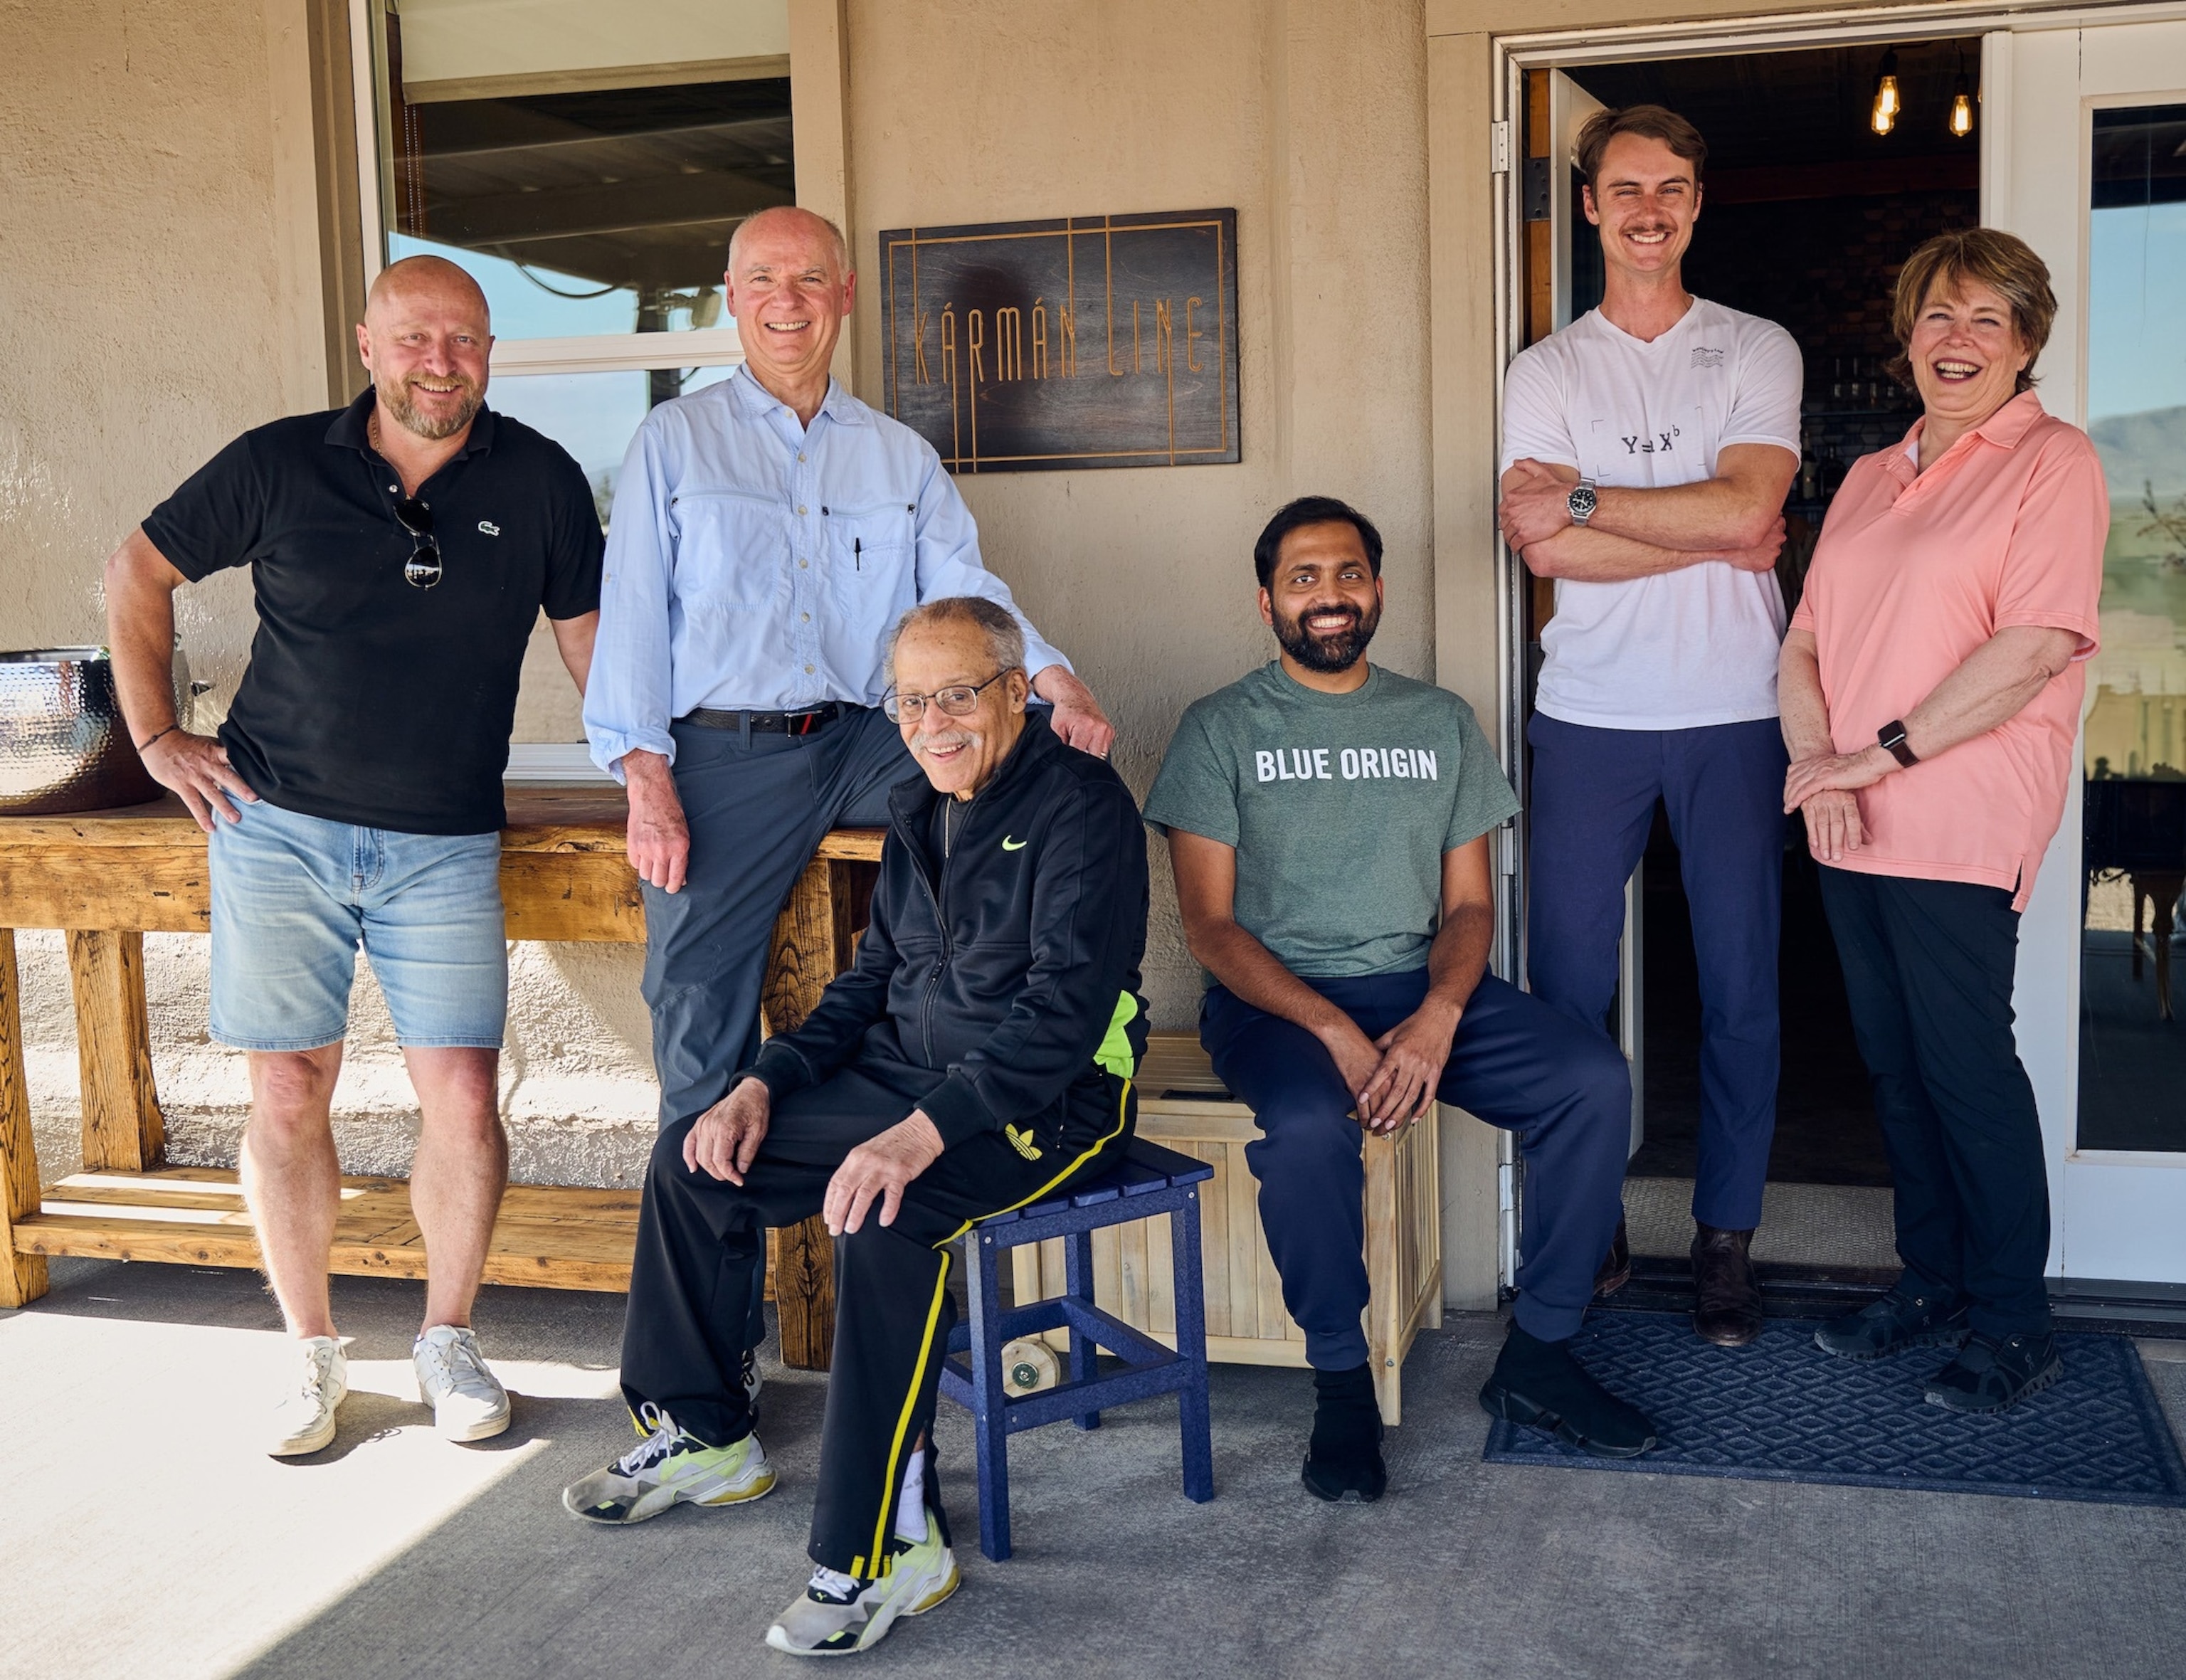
670	1468
839	1615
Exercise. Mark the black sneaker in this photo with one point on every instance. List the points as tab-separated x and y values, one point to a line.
1344	1459
1907	1316
1989	1375
1539	1385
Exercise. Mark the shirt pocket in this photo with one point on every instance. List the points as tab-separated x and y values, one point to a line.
732	549
872	571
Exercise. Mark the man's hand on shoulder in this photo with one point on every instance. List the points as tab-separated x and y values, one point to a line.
1412	1053
729	1133
659	839
196	767
879	1169
1078	719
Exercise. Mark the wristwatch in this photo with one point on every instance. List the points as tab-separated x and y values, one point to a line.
1581	502
1891	735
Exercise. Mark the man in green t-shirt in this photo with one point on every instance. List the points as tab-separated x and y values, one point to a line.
1328	821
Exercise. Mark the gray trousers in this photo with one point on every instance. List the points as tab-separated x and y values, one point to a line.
758	810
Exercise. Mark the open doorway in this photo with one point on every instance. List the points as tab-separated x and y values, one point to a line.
1808	212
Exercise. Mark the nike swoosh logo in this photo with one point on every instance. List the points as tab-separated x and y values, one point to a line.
1010	845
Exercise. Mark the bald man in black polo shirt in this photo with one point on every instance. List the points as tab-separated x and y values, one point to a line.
401	551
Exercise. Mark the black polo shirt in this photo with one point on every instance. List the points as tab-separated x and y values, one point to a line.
368	700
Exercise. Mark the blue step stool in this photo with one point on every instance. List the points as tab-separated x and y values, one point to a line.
1149	1180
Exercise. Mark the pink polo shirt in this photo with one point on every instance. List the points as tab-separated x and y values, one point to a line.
1911	575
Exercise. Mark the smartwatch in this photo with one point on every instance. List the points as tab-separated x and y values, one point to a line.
1891	735
1581	502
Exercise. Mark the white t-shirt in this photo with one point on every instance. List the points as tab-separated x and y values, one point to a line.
1687	649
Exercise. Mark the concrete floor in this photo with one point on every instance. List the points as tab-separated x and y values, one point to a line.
146	1537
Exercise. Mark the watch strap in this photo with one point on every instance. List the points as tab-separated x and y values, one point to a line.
1892	736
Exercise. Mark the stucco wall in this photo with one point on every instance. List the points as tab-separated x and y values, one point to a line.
1310	119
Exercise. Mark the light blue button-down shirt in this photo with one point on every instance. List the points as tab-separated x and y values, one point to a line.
755	564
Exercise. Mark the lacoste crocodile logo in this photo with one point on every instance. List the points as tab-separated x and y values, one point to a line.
1010	845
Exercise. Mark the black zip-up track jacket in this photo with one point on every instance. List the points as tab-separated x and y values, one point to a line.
1012	966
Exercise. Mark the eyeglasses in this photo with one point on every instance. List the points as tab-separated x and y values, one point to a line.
957	702
422	570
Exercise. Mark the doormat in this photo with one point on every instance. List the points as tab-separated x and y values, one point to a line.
1782	1410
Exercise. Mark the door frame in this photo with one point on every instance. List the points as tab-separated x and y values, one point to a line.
2104	1203
1509	56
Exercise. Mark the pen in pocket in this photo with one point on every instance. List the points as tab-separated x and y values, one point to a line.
857	554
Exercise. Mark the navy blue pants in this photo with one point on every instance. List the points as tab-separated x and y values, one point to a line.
1929	967
758	810
1594	793
1514	1062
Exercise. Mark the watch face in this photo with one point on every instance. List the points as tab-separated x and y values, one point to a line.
1581	500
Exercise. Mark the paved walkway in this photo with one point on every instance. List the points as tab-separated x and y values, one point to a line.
144	1536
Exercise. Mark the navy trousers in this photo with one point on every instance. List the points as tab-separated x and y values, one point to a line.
1514	1062
1593	794
758	810
1929	967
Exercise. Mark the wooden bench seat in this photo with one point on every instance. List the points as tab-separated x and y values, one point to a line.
108	877
548	1237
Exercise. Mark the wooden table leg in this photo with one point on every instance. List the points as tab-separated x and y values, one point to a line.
812	944
123	1129
22	1276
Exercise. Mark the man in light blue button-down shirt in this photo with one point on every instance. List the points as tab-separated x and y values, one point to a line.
768	532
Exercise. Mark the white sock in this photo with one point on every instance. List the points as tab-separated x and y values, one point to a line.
910	1509
835	1584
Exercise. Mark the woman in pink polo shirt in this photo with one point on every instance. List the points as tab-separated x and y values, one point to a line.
1931	691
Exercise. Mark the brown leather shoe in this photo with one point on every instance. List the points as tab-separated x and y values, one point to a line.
1615	1265
1727	1305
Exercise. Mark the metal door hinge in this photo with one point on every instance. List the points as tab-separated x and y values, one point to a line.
1498	147
1506	1187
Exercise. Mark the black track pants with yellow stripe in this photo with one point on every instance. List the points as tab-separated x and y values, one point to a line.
701	1242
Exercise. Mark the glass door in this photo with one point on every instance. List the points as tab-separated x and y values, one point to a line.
2096	180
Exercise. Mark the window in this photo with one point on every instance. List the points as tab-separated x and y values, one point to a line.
587	165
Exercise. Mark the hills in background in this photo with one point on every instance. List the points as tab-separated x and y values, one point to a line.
2139	449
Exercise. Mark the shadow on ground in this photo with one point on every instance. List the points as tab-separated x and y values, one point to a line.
1465	1569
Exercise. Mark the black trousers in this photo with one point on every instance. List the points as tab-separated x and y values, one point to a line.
702	1252
1928	968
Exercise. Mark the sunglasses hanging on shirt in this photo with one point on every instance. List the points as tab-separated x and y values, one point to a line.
422	568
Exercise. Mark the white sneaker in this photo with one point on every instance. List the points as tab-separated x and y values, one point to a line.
670	1468
837	1614
468	1400
304	1416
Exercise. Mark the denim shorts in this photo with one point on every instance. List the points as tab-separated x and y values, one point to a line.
293	897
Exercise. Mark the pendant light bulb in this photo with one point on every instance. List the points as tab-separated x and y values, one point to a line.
1887	104
1962	111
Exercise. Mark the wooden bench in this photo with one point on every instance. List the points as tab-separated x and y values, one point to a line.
1184	1107
108	877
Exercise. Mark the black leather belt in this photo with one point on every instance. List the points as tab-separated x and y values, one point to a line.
767	723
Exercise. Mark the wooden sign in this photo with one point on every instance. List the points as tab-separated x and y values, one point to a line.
1090	341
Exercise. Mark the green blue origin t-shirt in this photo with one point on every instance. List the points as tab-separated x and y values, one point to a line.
1340	807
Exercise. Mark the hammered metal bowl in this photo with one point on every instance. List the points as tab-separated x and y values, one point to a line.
63	744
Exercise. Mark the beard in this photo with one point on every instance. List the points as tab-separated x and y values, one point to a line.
1329	651
407	414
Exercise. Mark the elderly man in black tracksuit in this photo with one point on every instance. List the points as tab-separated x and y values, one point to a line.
979	1055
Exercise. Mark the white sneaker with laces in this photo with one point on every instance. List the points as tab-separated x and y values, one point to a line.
670	1468
304	1416
837	1614
468	1400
